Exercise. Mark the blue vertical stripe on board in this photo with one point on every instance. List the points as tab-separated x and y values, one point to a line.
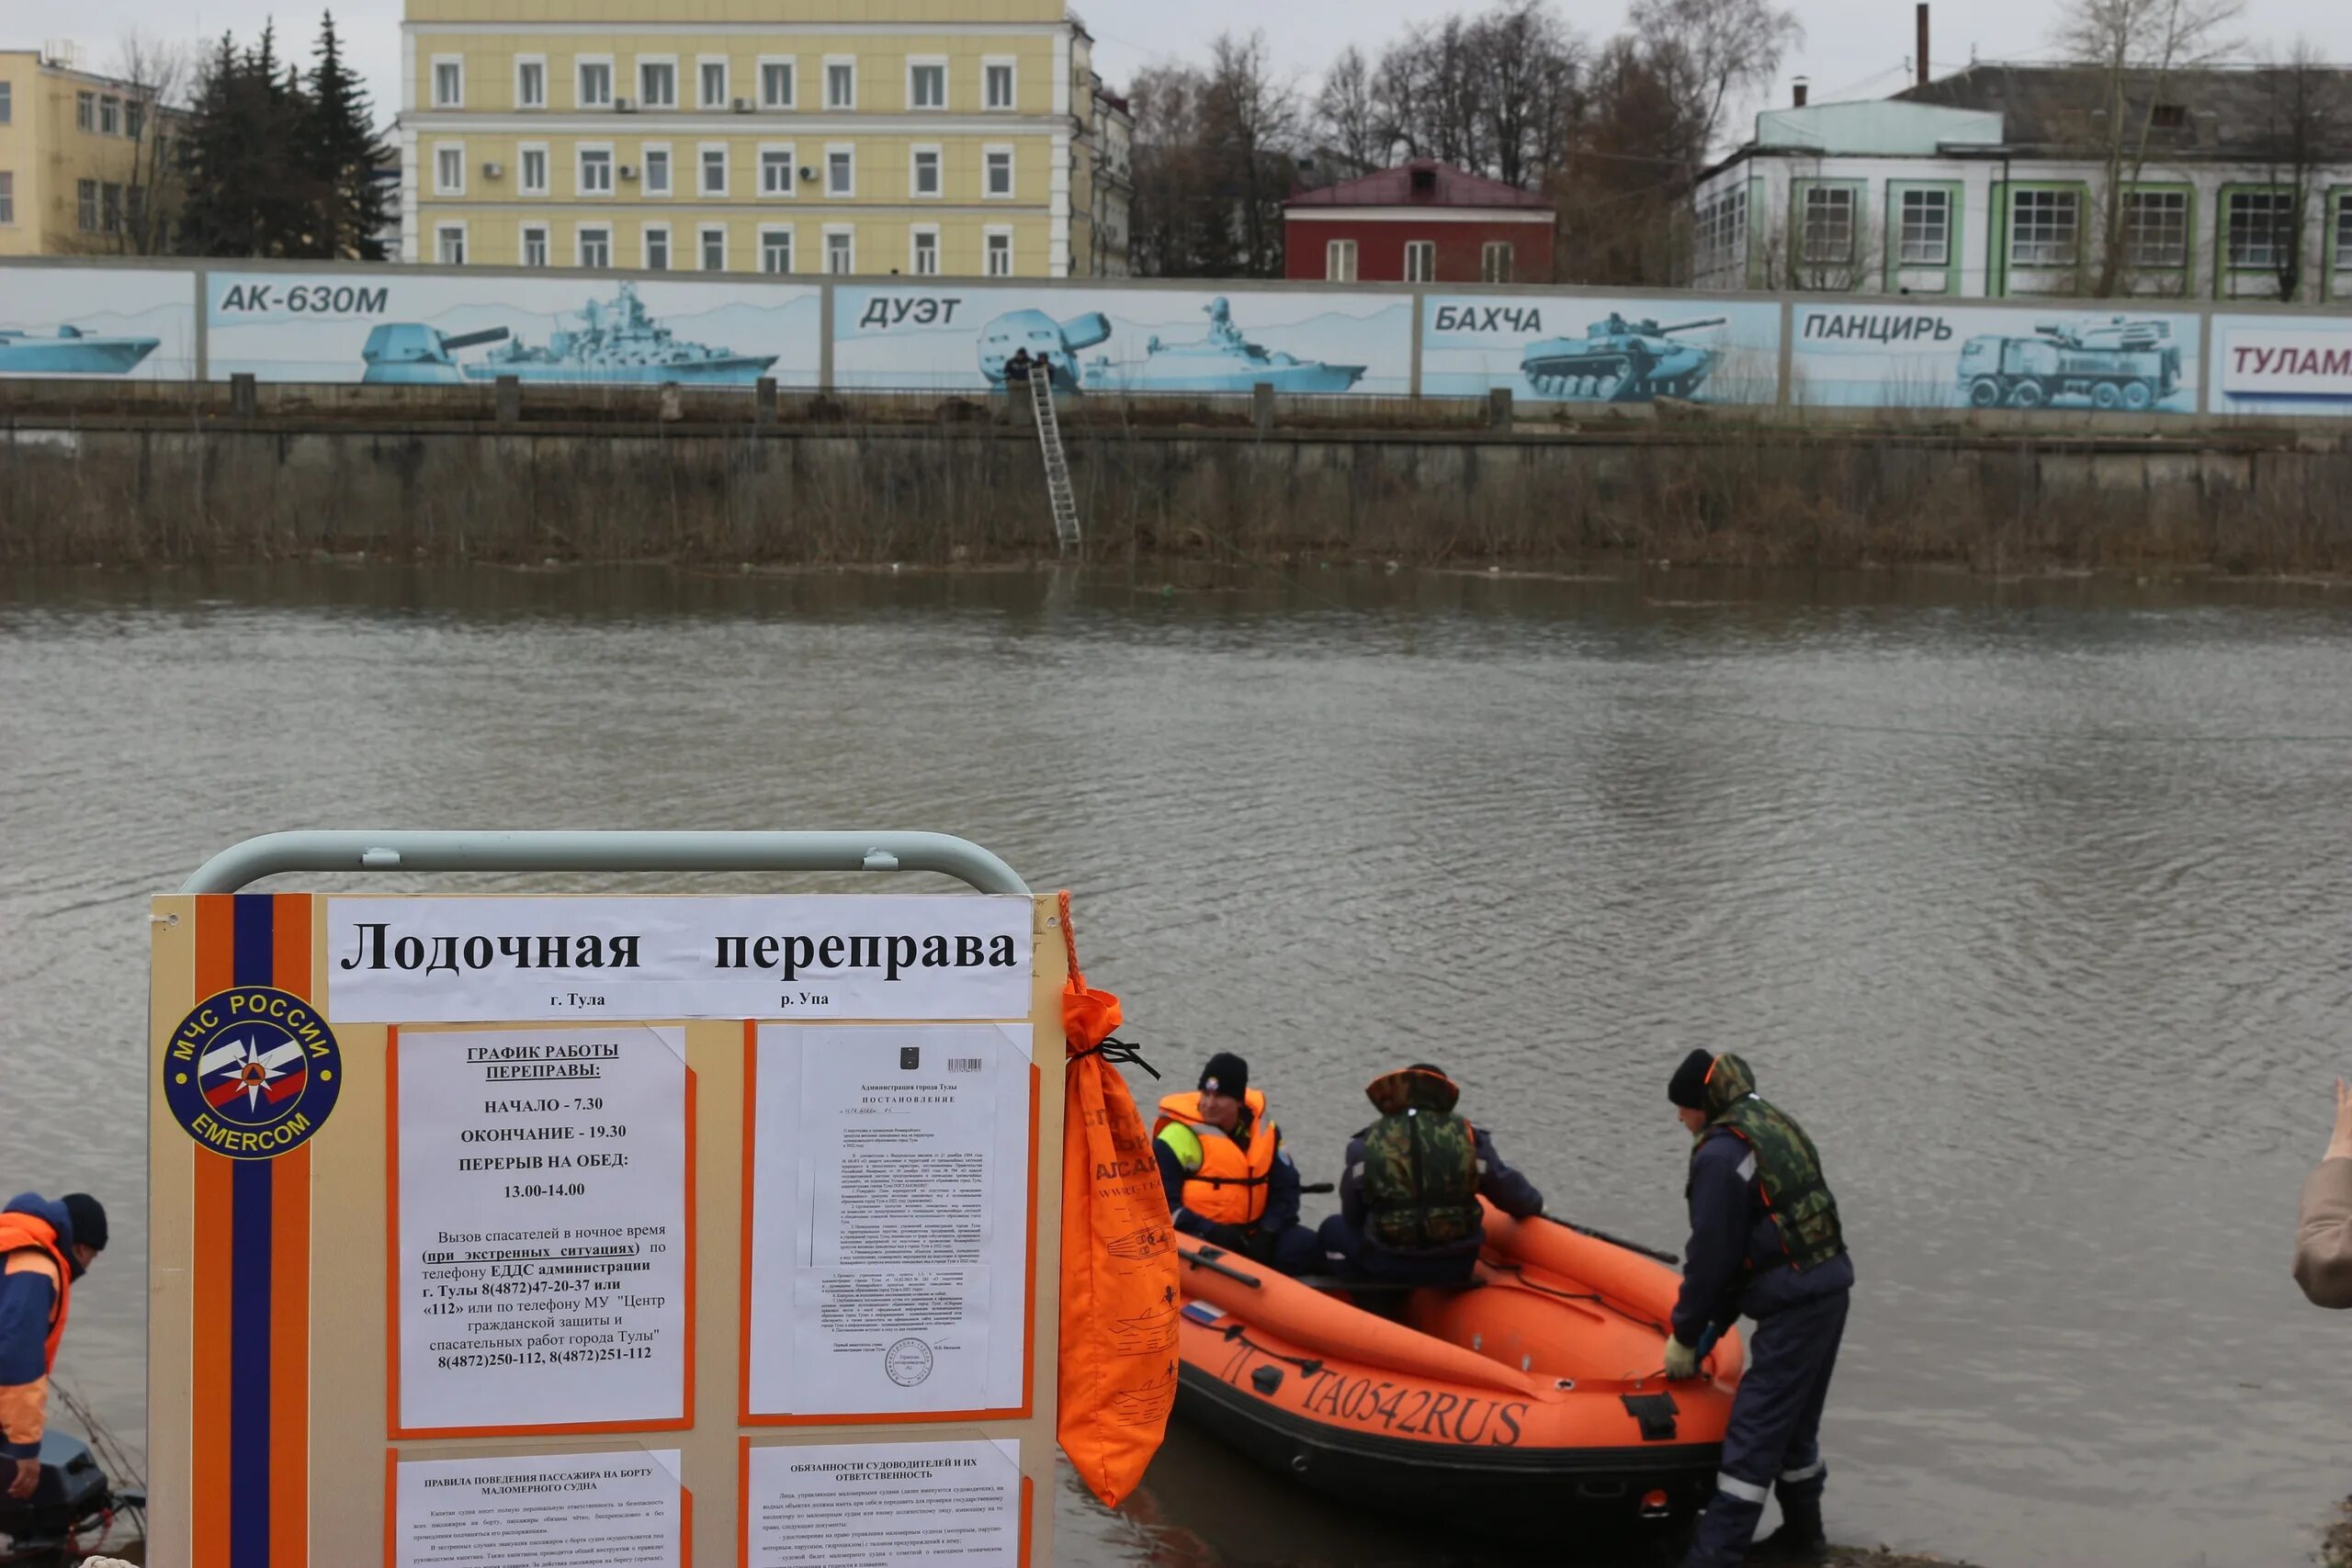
254	963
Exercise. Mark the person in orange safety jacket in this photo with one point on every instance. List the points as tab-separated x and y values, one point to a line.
45	1246
1228	1179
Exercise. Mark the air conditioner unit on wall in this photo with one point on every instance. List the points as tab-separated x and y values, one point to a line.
622	106
743	106
628	170
807	173
493	171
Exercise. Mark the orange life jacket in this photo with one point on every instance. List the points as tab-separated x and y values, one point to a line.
19	1231
1230	1186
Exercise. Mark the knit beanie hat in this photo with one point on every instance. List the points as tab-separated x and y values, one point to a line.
89	1218
1688	1089
1227	1074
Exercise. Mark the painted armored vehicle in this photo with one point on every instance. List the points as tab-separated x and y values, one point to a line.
2116	364
71	352
1618	361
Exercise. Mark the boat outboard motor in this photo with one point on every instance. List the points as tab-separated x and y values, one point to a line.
73	1493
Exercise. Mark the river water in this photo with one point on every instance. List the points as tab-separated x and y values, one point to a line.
2024	897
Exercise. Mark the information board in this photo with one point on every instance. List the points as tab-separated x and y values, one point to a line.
628	1229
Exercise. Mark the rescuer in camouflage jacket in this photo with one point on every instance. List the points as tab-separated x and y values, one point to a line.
1408	1198
1765	1241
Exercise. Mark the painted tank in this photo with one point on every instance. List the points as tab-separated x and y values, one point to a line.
617	341
1058	342
1225	361
410	353
1618	361
71	352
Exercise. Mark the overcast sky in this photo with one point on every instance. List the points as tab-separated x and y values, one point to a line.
1853	48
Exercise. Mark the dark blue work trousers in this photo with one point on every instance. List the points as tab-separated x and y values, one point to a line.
1774	1438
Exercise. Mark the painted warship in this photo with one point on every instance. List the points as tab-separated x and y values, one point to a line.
1618	361
71	352
1225	361
1056	343
616	341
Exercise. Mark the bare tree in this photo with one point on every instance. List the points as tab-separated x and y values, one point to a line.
1707	51
2304	132
137	175
1524	63
2133	49
1249	121
1346	113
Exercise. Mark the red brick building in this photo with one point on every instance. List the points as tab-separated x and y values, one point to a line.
1421	222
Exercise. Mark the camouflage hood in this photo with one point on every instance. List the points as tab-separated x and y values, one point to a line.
1728	1082
1417	1087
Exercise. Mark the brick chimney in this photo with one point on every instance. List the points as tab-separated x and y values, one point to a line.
1923	42
1802	88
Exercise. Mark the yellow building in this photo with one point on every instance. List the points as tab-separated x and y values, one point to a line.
80	156
919	137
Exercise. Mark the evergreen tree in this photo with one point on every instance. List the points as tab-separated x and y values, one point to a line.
343	151
251	191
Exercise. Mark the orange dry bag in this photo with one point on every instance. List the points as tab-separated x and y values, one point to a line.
1119	1301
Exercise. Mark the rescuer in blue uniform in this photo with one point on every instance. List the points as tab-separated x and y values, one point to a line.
1765	1241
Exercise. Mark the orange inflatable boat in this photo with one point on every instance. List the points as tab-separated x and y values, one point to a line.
1535	1391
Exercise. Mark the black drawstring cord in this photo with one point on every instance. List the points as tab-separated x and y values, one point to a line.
1119	1053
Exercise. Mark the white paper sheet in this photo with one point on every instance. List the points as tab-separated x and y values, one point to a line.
483	960
890	1218
542	1226
608	1510
885	1505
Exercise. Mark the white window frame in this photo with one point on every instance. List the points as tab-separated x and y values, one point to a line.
580	186
769	231
702	247
523	245
989	151
791	63
938	155
581	62
726	81
926	62
579	232
442	153
916	234
110	110
990	250
1828	225
1936	202
442	235
85	112
702	170
1506	273
841	232
637	77
645	238
645	186
1420	261
8	104
523	185
1010	65
455	63
1338	261
849	149
520	61
769	153
2047	249
7	195
831	61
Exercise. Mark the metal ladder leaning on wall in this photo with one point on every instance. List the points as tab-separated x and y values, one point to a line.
1049	442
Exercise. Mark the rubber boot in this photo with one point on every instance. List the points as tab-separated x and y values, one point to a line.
1799	1539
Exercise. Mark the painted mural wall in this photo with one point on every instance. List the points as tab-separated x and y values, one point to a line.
1585	349
388	327
2066	354
2282	364
1133	340
136	325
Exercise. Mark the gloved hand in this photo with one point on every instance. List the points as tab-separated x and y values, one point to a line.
1681	1361
23	1476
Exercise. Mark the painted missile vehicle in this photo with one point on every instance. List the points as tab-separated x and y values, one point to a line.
1618	361
71	352
2116	364
617	342
410	353
1058	342
1225	361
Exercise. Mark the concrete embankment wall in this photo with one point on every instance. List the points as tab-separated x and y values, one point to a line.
831	484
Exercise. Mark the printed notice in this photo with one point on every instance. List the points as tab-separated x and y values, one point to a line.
885	1505
891	1193
615	1510
542	1228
